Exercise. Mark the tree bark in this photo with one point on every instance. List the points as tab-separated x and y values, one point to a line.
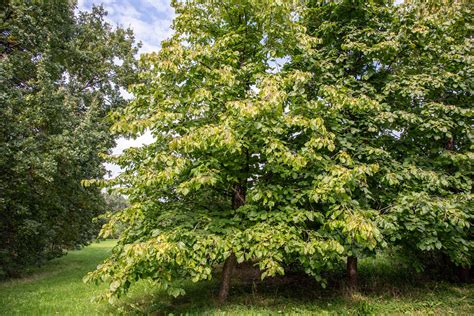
238	199
464	274
352	272
450	144
229	265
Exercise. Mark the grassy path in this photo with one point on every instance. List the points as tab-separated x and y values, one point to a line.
386	289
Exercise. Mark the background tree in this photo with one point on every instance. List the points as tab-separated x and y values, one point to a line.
409	67
347	75
61	74
430	91
114	204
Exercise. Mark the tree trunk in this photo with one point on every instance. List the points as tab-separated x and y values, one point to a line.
229	265
352	272
450	144
464	274
238	199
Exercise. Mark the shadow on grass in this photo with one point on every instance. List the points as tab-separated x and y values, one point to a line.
384	288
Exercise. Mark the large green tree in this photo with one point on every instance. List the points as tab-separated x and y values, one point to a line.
60	74
307	164
244	165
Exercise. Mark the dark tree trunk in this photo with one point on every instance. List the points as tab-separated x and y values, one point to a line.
352	272
229	265
450	144
464	274
238	199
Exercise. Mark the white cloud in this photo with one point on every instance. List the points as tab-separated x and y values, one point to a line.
149	19
124	143
161	6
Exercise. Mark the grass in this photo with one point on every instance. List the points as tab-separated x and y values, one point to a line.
56	288
385	288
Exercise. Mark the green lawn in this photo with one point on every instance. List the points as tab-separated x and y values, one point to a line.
57	289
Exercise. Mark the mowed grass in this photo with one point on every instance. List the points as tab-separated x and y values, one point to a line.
386	288
56	288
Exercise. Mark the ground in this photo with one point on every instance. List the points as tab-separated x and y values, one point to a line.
385	288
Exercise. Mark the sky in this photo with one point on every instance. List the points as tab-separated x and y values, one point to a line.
150	21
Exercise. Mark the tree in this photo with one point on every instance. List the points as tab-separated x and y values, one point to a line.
431	93
306	164
244	166
348	69
412	64
114	203
61	74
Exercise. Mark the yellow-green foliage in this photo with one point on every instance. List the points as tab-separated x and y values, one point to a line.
325	147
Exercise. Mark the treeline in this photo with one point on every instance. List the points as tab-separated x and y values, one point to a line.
61	74
302	134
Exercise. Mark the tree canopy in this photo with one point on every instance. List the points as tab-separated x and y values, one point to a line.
296	133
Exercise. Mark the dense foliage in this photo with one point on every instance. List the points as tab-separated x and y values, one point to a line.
402	77
361	140
430	95
61	73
